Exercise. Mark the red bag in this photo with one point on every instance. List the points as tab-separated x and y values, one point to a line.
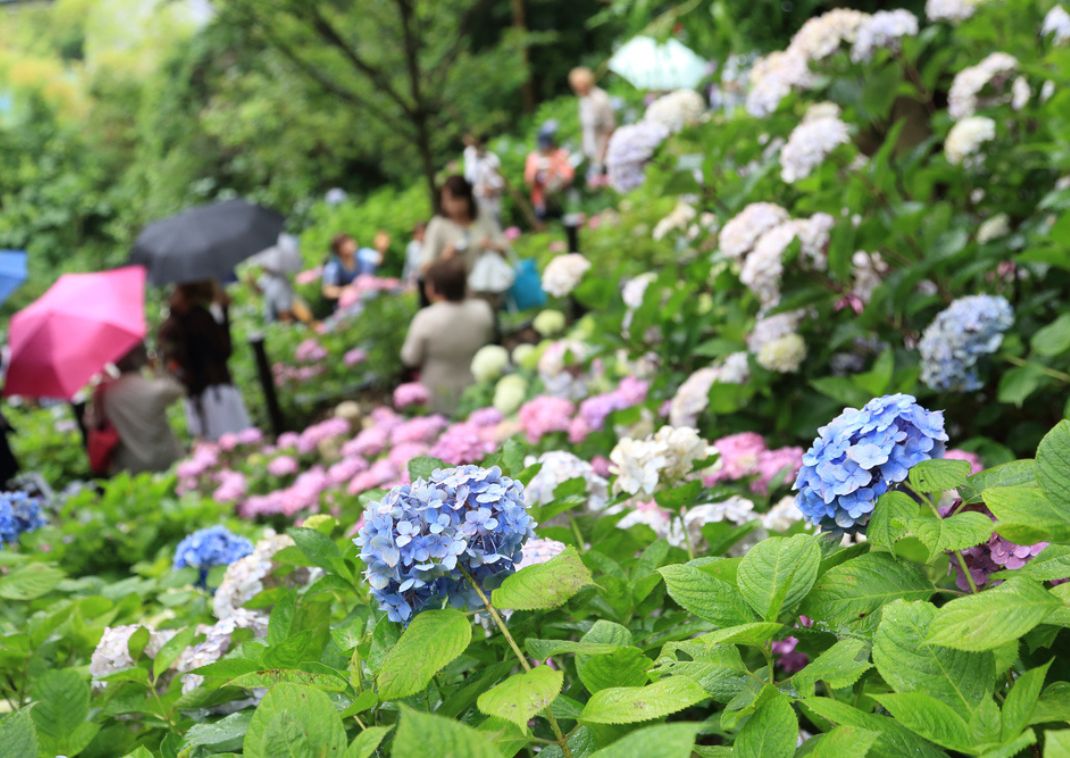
103	438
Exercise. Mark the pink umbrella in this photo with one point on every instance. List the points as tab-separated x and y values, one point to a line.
82	323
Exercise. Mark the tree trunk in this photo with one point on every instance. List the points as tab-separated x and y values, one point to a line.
420	112
520	24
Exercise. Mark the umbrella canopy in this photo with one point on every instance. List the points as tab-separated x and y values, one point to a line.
12	272
652	65
82	323
284	257
205	242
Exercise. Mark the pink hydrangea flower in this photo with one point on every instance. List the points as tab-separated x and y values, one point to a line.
419	429
347	468
228	441
317	433
965	455
401	454
354	357
788	659
485	417
739	455
462	444
512	233
232	487
381	472
250	436
284	465
544	415
310	351
600	464
385	417
287	440
784	462
369	443
409	394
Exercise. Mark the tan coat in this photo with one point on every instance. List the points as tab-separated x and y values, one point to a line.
443	233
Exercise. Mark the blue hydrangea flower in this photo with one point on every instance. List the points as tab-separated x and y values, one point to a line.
416	540
214	546
958	337
861	455
18	513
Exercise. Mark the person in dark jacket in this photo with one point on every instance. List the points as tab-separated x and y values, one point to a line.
196	345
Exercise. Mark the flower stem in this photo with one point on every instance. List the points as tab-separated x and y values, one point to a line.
500	623
965	571
1046	370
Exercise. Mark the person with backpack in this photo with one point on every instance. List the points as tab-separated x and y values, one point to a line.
548	172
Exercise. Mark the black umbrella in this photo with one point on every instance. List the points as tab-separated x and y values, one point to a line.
205	242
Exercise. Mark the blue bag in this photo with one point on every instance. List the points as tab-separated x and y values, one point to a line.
526	292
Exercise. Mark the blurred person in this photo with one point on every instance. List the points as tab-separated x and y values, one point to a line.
597	122
444	337
341	268
136	407
369	259
483	170
414	252
548	172
196	345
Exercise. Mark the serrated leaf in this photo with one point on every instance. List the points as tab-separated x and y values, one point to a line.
891	519
320	550
171	649
777	573
931	718
1053	705
662	741
433	639
1012	474
853	590
225	734
956	532
895	740
630	705
367	742
771	732
520	697
840	666
421	732
17	734
543	649
1057	743
719	670
705	596
1053	339
1027	515
544	585
30	582
61	711
625	667
755	633
422	466
841	741
266	678
294	721
1052	563
1021	702
1053	464
939	475
959	678
991	618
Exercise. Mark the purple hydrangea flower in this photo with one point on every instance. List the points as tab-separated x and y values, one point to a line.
416	540
959	336
861	455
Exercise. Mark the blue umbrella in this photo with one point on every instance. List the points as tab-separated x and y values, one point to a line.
12	272
651	65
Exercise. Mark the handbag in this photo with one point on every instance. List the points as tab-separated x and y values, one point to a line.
491	273
102	439
527	292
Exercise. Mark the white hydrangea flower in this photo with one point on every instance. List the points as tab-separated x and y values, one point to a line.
762	269
113	651
654	516
489	362
552	362
782	516
774	77
217	643
676	110
678	219
1020	93
963	99
637	464
509	393
809	145
244	579
868	273
783	355
684	447
563	273
634	289
951	10
1047	89
558	467
1057	23
693	395
738	236
549	322
993	228
966	138
770	328
883	30
814	234
822	35
537	551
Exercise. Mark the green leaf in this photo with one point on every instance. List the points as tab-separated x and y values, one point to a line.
989	619
17	734
320	550
841	741
853	590
1018	383
295	721
840	666
959	678
225	734
543	649
366	743
1057	743
956	532
424	734
1052	563
895	740
1021	702
30	582
1027	514
520	697
891	519
771	732
625	667
662	741
171	649
777	573
61	711
755	633
1010	474
1053	465
629	705
1053	339
422	466
707	597
931	718
719	670
267	678
939	475
544	585
1053	705
433	639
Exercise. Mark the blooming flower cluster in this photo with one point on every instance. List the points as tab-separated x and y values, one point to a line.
112	653
642	464
862	454
676	110
594	410
537	551
992	72
216	644
968	329
966	138
783	355
1057	24
883	30
809	144
745	455
214	546
629	149
951	10
738	236
563	273
410	394
994	555
549	322
693	395
509	393
489	362
545	415
420	541
558	467
247	577
354	357
19	513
